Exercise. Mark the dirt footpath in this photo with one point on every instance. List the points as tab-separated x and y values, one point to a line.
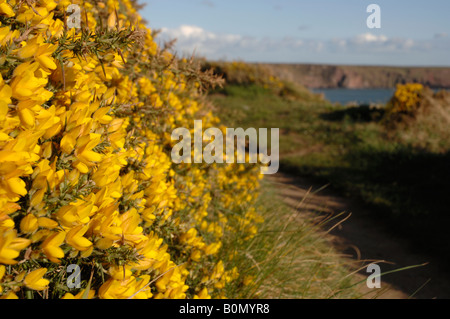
363	238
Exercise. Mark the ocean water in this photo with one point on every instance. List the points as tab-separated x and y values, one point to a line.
357	96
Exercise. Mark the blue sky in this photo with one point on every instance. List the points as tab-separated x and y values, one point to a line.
298	31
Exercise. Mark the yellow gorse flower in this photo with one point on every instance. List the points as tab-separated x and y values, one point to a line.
5	9
10	246
29	224
34	280
76	240
80	295
406	98
85	172
51	248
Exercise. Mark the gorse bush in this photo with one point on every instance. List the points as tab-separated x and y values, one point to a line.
86	179
406	99
419	117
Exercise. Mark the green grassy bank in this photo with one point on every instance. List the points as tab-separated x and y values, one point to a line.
400	169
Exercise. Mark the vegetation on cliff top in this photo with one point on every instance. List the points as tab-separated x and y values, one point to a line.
394	158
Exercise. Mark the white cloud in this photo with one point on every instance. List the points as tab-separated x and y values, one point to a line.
370	38
217	45
189	32
208	3
441	35
292	49
370	41
193	38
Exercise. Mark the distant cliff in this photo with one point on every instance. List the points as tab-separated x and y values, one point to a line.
360	77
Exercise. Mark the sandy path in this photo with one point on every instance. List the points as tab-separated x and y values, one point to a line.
363	238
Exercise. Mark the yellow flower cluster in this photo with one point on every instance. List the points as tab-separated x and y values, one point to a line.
407	98
85	176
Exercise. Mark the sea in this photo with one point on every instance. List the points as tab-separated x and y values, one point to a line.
357	96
